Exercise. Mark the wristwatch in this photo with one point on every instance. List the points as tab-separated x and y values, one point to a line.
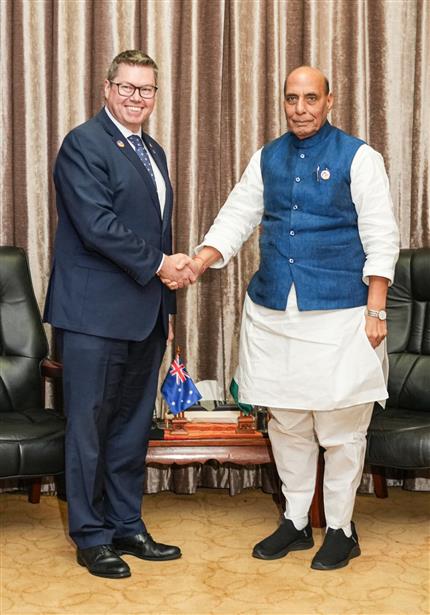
381	314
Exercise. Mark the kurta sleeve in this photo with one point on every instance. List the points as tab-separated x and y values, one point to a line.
239	215
377	226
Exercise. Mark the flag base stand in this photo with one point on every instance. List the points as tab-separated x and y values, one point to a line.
178	425
196	432
245	424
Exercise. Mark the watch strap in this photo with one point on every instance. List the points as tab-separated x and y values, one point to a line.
374	313
381	314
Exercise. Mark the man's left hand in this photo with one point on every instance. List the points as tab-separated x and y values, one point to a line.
376	330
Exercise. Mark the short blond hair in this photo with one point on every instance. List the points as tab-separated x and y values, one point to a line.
133	57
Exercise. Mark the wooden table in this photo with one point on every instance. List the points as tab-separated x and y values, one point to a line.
243	451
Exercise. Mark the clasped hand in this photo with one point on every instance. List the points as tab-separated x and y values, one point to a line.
179	270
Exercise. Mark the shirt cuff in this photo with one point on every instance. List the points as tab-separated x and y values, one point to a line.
226	253
161	264
387	272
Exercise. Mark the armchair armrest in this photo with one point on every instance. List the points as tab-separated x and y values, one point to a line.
54	370
51	369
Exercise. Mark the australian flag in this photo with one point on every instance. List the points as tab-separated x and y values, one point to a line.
178	389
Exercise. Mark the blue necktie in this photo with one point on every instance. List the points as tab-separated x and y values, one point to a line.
143	155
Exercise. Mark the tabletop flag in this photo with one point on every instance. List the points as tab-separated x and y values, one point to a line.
178	389
234	390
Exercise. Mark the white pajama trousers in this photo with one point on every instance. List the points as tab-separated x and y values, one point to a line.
296	435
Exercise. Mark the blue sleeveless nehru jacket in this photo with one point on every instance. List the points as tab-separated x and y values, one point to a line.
309	234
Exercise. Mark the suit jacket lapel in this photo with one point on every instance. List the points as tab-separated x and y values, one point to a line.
126	149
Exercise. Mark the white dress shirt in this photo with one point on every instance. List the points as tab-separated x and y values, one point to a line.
159	179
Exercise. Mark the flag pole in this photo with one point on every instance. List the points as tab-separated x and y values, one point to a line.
181	415
166	420
179	421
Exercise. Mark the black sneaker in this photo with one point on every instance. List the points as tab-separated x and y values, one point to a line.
285	539
336	550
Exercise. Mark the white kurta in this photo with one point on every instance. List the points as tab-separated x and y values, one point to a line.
311	360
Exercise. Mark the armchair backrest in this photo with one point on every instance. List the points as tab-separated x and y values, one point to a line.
409	332
23	342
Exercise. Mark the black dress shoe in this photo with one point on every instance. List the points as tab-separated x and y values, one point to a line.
336	550
103	561
285	539
145	547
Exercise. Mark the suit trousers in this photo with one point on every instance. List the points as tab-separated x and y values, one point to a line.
110	387
296	435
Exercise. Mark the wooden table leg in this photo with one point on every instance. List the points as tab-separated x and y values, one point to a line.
379	481
34	490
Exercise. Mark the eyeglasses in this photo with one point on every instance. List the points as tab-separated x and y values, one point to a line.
127	89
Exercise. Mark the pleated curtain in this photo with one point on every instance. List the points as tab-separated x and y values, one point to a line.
222	64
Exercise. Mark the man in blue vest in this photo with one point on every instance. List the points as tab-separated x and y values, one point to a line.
111	313
312	343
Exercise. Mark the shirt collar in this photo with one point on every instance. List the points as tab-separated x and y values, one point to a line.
126	132
322	133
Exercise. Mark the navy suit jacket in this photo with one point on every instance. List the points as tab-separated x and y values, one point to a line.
110	236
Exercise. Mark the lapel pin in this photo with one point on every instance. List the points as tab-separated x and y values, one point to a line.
325	174
120	143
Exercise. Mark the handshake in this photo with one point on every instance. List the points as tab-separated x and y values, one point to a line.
180	270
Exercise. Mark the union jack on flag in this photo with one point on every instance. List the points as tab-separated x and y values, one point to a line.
178	389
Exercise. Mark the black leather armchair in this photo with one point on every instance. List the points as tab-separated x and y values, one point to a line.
399	436
31	437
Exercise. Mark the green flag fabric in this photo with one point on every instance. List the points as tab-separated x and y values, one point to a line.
234	390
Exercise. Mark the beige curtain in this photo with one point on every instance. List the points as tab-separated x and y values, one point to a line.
222	65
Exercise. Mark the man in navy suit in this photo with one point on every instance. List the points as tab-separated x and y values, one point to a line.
111	313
